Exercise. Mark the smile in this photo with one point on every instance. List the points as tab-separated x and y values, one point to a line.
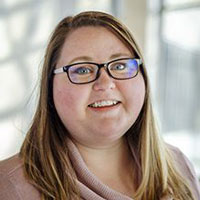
104	103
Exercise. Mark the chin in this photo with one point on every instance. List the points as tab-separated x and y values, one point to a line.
110	134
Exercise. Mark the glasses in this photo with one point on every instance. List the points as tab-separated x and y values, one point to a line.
87	72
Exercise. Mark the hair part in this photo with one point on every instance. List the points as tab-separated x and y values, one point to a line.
44	151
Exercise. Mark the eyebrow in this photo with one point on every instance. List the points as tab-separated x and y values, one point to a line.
84	58
87	58
117	55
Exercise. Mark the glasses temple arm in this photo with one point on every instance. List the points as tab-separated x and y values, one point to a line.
59	70
139	61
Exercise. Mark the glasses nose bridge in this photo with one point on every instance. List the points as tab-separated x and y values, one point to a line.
102	65
105	66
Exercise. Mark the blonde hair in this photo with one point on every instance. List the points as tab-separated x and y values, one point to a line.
44	151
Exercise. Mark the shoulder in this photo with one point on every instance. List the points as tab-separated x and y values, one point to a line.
13	183
186	169
182	161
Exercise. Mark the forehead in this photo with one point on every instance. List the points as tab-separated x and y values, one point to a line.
95	42
94	32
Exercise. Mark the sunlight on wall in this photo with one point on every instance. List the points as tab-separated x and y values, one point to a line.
173	58
11	141
10	3
179	2
181	28
101	5
25	27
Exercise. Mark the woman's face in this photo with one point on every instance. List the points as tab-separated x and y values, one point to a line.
96	127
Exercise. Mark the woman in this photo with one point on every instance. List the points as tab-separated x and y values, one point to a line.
93	135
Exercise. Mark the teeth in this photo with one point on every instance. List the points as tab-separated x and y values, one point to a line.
103	103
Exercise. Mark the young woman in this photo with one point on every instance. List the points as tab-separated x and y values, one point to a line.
93	136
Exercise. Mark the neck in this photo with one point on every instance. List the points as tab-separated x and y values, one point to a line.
112	160
114	154
112	165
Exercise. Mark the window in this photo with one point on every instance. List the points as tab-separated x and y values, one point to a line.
178	73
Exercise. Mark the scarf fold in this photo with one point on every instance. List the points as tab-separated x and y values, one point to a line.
91	188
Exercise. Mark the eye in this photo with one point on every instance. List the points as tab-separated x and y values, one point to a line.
118	66
83	70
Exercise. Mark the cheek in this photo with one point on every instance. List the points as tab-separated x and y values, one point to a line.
135	94
63	98
69	99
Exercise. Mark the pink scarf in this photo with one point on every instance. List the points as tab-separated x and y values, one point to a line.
91	188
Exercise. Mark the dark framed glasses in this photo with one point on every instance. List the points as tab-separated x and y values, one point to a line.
87	72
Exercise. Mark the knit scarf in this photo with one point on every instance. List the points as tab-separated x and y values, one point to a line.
91	188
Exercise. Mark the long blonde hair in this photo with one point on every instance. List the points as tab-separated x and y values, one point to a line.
44	151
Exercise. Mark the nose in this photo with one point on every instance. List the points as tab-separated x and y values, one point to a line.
104	82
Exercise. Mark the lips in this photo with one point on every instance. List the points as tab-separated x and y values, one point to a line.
104	103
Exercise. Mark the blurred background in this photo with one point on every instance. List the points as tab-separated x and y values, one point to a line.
168	32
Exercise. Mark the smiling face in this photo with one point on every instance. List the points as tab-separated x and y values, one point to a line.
98	113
